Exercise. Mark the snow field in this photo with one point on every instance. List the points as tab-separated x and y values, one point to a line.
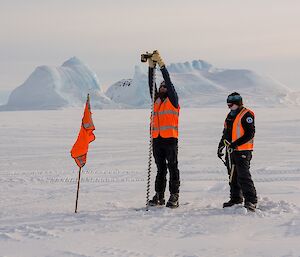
38	187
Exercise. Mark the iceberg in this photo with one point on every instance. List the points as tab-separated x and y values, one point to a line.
49	88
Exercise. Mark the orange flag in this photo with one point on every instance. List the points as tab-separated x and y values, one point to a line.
85	136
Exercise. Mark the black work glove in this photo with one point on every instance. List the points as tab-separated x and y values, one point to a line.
232	146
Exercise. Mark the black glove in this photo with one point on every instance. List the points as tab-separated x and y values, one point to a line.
232	145
220	151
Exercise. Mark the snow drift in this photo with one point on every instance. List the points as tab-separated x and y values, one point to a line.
57	87
198	84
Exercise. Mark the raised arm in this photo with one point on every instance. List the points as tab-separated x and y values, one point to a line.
172	94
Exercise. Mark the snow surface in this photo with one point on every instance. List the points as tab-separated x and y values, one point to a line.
38	187
199	84
57	87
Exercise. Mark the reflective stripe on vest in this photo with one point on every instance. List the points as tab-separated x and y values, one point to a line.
165	128
167	112
238	131
165	119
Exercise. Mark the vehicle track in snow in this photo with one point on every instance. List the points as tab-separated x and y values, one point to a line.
119	176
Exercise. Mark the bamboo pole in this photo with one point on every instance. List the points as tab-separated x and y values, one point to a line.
77	190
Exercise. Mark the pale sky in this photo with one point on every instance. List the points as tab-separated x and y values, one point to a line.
110	35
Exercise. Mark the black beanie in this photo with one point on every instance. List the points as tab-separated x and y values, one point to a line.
235	98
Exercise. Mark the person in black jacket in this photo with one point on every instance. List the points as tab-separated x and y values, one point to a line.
165	138
241	147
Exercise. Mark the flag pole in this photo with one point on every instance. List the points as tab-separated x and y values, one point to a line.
77	190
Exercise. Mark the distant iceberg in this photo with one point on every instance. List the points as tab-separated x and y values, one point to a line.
58	87
200	84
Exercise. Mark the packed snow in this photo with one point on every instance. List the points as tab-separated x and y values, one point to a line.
38	187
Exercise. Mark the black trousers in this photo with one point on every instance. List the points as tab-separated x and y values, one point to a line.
242	185
165	152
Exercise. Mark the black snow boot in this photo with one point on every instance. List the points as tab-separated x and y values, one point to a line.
250	206
158	199
232	202
173	201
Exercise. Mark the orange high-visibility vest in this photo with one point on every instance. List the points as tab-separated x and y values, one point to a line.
238	130
165	119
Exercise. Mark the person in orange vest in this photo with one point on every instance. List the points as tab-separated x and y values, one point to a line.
239	130
165	135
